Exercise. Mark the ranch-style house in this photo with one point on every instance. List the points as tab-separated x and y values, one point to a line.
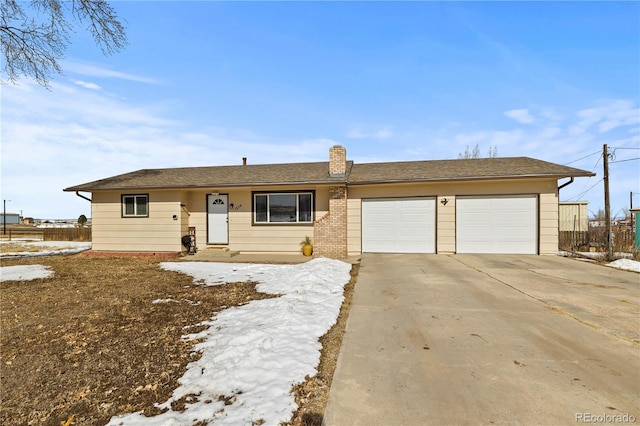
488	205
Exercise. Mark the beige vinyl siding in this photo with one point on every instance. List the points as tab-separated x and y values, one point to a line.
548	241
158	232
243	234
184	215
445	235
354	225
446	224
196	204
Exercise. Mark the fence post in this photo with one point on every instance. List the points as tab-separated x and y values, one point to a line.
573	235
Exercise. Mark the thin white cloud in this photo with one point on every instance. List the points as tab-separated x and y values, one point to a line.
96	71
84	135
565	138
607	116
522	116
87	85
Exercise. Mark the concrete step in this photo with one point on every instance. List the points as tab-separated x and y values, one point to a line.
212	253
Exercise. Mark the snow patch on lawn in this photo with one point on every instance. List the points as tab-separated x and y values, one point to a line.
24	272
252	355
156	301
626	264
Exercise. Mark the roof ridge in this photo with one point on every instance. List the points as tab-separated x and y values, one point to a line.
317	173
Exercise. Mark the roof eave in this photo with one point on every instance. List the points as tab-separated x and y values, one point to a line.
469	178
204	186
82	188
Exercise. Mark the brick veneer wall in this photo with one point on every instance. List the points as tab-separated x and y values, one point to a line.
330	231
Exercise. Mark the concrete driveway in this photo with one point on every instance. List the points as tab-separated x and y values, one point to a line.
488	339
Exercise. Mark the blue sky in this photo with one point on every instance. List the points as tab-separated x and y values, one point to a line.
207	83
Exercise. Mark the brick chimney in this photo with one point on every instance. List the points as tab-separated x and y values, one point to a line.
337	161
330	231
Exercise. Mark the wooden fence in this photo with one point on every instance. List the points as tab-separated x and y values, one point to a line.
595	239
51	234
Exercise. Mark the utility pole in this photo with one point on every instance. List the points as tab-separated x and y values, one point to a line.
4	218
607	206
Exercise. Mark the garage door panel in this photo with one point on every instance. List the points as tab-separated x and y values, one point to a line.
398	225
497	224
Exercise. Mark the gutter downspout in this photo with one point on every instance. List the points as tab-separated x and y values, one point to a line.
82	196
566	183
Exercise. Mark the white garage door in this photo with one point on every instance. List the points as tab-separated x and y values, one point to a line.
497	224
399	225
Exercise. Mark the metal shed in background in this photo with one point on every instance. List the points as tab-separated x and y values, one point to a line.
636	215
9	218
573	216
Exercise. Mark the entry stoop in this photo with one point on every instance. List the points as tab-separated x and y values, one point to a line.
211	254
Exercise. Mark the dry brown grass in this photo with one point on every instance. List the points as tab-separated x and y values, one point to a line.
88	342
20	248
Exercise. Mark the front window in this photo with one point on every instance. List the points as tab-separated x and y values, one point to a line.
135	205
289	207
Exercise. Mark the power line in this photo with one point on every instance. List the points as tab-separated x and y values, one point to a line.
587	156
622	161
589	178
583	193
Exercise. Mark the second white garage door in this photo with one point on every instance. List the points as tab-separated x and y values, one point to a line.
507	225
399	225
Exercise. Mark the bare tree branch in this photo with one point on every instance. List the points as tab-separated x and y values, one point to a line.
493	152
33	43
104	25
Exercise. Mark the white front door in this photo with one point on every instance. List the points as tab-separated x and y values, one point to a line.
217	219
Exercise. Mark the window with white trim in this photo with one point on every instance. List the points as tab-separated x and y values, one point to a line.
135	205
283	207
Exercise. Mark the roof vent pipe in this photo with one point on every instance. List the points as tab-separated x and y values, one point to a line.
244	161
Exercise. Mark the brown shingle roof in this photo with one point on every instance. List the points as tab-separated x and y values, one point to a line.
318	173
217	176
471	169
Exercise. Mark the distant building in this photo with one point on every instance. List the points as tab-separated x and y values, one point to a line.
636	215
573	216
10	218
624	224
57	223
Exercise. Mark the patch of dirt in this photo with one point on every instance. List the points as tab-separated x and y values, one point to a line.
90	342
